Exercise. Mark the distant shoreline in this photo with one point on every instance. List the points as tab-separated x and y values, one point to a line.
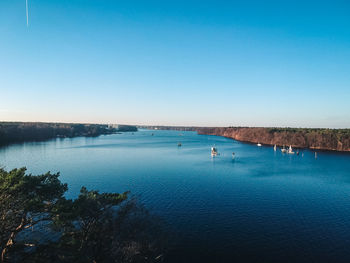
17	132
309	138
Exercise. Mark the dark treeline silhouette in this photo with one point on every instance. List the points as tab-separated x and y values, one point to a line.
126	128
11	132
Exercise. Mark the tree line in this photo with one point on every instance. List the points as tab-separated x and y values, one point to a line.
11	132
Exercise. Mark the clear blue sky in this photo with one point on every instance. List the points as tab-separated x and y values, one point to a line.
208	63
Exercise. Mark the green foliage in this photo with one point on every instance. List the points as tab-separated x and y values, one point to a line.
25	201
88	225
338	134
23	131
95	227
127	128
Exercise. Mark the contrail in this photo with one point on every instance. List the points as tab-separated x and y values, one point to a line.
27	11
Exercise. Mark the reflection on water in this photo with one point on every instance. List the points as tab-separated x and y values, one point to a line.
262	206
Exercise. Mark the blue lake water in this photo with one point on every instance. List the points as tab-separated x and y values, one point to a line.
264	206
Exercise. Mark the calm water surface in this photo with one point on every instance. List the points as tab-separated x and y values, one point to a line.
262	207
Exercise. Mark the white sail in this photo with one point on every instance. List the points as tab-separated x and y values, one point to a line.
214	151
290	150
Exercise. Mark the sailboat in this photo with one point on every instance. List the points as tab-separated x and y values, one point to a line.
233	156
214	151
283	150
275	147
290	150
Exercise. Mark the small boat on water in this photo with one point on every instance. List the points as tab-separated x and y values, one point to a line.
275	148
179	144
233	156
259	144
283	150
290	150
214	151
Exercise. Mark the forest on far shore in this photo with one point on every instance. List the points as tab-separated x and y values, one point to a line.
11	132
